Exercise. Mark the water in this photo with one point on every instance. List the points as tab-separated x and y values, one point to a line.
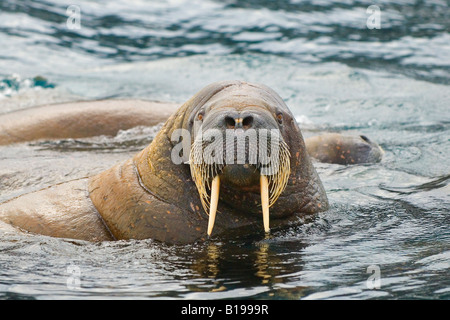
391	84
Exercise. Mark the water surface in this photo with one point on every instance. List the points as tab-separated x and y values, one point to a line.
390	84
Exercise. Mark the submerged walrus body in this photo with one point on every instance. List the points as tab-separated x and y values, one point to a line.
81	119
171	191
343	149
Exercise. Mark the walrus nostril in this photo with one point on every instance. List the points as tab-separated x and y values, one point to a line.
247	122
237	123
229	121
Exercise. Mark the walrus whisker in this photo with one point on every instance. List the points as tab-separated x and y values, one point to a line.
278	178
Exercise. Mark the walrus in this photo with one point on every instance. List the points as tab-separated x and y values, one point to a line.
81	119
343	149
167	193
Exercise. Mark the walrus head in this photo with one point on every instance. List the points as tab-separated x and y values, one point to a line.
238	141
237	146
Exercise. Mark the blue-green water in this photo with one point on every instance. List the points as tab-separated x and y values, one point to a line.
336	74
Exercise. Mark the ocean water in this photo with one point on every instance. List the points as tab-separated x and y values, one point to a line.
387	233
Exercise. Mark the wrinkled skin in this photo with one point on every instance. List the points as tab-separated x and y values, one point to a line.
150	196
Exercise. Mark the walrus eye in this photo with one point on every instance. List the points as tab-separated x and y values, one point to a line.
200	116
280	118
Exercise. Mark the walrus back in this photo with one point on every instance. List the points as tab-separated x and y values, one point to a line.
81	119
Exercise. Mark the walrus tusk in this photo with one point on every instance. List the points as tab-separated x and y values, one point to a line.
215	188
264	182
